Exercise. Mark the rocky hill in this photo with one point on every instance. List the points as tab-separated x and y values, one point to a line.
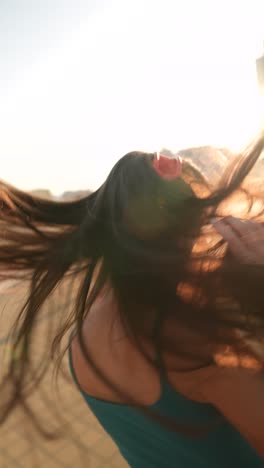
213	161
66	196
209	160
42	193
74	195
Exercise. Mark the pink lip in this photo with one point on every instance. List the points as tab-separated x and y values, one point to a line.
167	168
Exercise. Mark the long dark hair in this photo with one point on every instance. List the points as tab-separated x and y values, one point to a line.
142	229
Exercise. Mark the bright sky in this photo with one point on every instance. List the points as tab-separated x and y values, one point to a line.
83	82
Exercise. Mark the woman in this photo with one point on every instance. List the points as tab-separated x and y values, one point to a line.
167	338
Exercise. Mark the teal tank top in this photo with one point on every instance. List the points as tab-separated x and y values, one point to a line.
145	443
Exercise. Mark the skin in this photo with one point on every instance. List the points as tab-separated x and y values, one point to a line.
236	393
245	239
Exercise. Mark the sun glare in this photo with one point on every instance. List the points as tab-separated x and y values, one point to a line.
110	87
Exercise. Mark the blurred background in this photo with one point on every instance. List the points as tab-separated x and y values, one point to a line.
85	81
82	82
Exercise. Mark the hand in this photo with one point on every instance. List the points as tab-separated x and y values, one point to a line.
245	239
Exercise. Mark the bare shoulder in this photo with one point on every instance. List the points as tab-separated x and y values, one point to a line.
115	356
235	387
198	379
238	394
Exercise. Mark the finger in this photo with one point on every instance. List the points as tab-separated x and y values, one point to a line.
234	241
240	226
249	231
259	227
252	251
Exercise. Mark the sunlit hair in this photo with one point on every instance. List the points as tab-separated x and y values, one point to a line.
151	238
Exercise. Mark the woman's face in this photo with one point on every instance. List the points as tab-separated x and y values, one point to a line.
159	210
